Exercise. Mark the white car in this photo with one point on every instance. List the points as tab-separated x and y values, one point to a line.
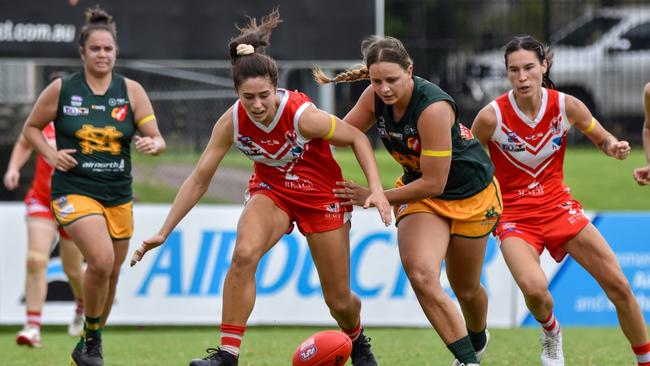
603	59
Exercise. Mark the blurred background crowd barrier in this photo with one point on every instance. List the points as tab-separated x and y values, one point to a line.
178	52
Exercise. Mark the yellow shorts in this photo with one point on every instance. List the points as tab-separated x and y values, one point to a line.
119	219
472	217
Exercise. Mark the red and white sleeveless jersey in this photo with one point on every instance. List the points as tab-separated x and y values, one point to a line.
528	155
42	183
284	159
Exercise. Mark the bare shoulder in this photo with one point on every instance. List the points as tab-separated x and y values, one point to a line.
487	116
133	86
646	90
485	123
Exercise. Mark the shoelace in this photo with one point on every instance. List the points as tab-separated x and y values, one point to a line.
214	354
362	348
549	345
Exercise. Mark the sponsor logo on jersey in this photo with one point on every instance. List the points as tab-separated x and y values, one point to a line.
410	130
381	122
76	100
117	102
101	139
534	137
395	135
382	132
557	142
98	167
332	207
512	136
119	113
414	144
75	111
513	147
465	133
271	142
96	107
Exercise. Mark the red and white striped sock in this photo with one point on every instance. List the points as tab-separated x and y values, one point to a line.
231	337
79	309
34	319
642	354
353	333
551	326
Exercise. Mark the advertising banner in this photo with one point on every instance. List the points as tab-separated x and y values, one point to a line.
182	281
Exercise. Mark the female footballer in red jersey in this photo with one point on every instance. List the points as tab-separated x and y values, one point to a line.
41	236
642	175
289	139
525	130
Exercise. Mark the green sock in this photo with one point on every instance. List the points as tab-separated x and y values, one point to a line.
92	328
478	339
463	350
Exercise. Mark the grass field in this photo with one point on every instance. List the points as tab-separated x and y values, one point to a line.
274	346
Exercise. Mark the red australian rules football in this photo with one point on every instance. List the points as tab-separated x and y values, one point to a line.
325	348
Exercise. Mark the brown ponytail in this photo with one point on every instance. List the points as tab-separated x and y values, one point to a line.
248	50
375	49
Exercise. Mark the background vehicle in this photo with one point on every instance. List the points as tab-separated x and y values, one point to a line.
602	58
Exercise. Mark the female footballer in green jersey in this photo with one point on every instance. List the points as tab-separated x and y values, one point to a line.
96	113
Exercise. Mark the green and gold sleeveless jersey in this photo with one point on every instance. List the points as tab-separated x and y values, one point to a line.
100	129
471	169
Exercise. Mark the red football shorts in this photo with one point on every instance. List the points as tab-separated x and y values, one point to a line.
546	228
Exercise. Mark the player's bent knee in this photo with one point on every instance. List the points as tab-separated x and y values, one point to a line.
467	294
619	290
339	305
534	289
36	262
244	258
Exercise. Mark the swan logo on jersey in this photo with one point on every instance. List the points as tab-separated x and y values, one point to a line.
101	139
555	125
119	113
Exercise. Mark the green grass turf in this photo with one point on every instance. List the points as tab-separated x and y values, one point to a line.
271	346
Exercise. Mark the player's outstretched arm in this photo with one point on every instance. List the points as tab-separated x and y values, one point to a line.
194	186
315	123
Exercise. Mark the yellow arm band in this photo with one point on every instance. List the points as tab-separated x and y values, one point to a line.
436	154
591	126
145	119
331	133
